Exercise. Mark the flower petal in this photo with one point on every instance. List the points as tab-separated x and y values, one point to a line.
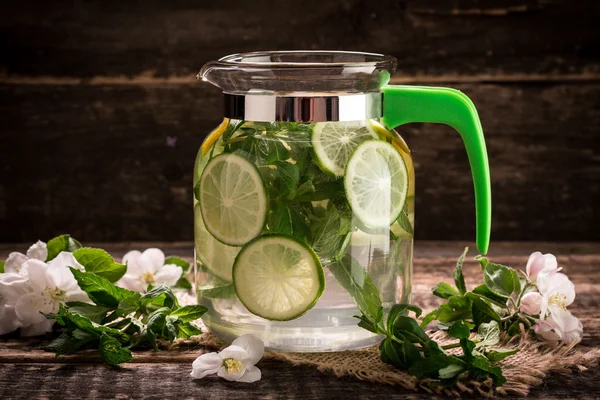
12	287
132	283
132	259
168	275
14	262
38	250
535	264
252	374
547	330
235	352
231	376
531	303
28	308
253	346
39	278
153	257
206	364
65	259
77	295
38	329
8	320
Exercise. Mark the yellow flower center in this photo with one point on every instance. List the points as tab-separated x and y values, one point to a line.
148	277
232	365
559	299
54	293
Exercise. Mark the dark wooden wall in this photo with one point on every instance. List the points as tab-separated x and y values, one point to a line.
90	91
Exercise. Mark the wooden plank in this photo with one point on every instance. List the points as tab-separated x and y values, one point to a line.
173	39
94	161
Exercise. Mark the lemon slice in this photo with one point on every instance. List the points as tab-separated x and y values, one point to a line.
278	278
233	199
334	142
376	183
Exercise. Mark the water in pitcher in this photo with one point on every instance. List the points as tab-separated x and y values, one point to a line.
324	231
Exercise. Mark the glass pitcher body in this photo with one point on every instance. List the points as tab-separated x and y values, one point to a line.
304	195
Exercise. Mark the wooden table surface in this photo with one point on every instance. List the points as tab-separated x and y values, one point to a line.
26	371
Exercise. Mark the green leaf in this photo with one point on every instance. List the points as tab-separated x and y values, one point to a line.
429	367
286	220
100	290
183	283
276	151
500	279
93	312
353	277
2	267
330	231
100	263
217	289
457	307
70	320
451	371
514	328
187	330
61	243
65	344
403	220
429	318
409	329
460	330
400	355
112	352
488	334
481	368
444	290
163	294
401	309
189	313
171	328
500	354
486	293
180	262
290	176
459	279
129	305
482	312
482	261
157	320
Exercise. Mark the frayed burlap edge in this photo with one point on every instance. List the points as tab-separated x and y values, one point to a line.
524	370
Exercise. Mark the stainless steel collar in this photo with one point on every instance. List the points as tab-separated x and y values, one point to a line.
260	107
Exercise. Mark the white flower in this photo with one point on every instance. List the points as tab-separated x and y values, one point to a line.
531	303
14	262
562	325
540	264
234	363
12	287
148	268
557	293
49	286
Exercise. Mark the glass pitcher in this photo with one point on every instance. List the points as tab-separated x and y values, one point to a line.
304	195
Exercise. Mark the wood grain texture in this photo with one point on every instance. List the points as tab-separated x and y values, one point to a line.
433	37
93	160
28	372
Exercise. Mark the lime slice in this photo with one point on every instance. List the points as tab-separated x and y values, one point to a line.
214	255
334	142
376	182
278	278
233	200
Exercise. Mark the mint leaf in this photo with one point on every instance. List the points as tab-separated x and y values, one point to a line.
71	320
409	329
353	277
129	305
500	354
403	220
481	368
2	267
459	279
161	295
65	344
451	371
482	261
429	318
501	279
330	231
276	151
100	263
444	290
187	330
429	367
286	220
401	309
157	320
183	283
217	289
482	312
61	243
180	262
290	177
488	334
486	293
100	290
189	313
112	352
400	355
457	307
93	312
460	330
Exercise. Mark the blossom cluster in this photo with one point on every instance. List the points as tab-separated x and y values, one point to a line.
552	292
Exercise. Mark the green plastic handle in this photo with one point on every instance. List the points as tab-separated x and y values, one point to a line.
404	104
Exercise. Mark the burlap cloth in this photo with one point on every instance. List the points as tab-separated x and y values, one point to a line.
523	370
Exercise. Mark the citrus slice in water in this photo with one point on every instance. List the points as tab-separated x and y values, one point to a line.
376	183
278	278
334	142
233	200
215	256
